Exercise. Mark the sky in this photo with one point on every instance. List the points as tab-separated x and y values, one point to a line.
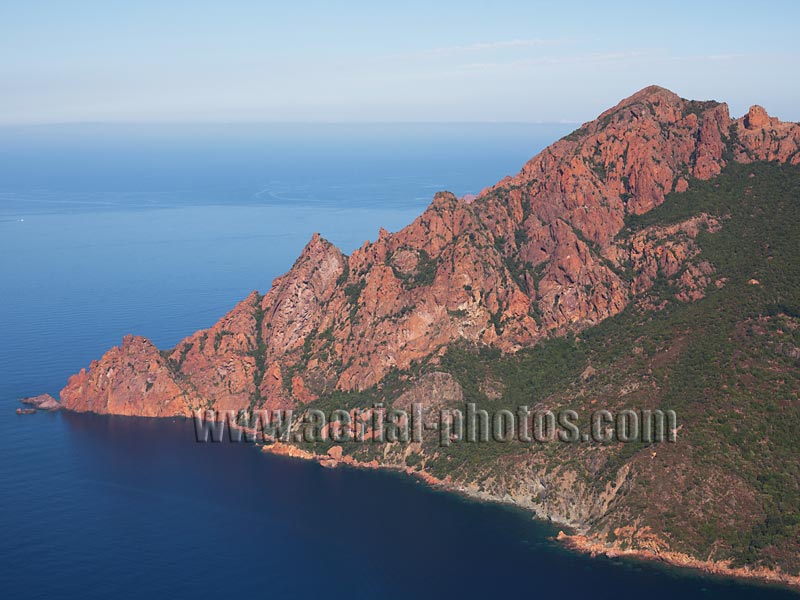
448	61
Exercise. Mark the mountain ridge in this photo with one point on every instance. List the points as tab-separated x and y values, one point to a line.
532	256
645	261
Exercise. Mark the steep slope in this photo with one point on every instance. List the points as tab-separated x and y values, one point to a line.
648	260
725	355
533	256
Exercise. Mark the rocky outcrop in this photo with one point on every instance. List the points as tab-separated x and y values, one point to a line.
539	254
667	251
643	544
221	360
41	402
432	390
131	379
759	137
757	118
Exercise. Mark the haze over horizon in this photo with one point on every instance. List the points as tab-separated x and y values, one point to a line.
454	62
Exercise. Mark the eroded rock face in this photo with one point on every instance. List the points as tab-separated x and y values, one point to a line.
538	254
757	118
666	251
432	391
218	363
130	379
761	137
41	402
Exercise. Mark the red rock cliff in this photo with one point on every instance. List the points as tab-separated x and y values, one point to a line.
535	255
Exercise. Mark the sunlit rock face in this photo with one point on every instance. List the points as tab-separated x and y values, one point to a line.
537	254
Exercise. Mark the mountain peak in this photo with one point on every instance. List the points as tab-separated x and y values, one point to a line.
757	118
536	255
651	93
317	246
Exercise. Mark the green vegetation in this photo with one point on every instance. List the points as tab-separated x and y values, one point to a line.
698	107
342	279
259	353
353	290
575	135
218	338
426	270
177	364
728	364
424	273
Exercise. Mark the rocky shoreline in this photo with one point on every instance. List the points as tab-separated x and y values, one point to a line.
539	258
577	542
582	543
36	403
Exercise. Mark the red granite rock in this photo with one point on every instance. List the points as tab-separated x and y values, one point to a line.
535	255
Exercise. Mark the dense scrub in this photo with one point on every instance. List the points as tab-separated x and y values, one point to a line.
728	364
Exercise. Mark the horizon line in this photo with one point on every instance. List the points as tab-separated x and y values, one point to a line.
288	122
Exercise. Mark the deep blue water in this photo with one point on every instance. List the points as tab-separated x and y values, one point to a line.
159	231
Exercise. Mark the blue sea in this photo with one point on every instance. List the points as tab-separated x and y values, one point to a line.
158	230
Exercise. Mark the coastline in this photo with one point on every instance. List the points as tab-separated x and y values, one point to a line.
581	543
577	542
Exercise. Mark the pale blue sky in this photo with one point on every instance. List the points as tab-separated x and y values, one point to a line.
110	60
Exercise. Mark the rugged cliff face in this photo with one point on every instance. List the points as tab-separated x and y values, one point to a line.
648	260
537	255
